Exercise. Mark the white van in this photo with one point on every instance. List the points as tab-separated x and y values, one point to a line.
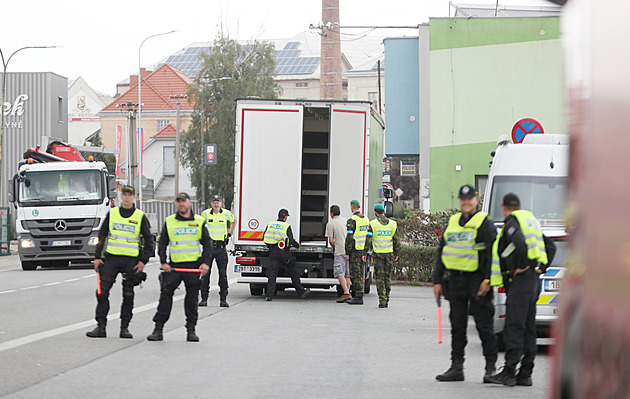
537	171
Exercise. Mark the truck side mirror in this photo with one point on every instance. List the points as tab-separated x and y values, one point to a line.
111	187
11	189
389	209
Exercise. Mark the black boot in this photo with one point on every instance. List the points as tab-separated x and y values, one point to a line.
98	332
523	380
156	335
223	303
356	301
490	370
455	373
124	333
191	336
505	377
203	302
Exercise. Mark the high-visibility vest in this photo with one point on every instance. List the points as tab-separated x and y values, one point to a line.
533	239
216	223
124	233
63	186
461	251
184	238
383	236
276	232
360	232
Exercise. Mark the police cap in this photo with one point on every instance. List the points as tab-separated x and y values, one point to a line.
182	196
467	191
282	213
511	199
128	189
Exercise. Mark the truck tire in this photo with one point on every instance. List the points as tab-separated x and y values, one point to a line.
26	265
255	290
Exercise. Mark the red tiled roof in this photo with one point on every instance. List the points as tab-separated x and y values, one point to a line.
168	131
156	91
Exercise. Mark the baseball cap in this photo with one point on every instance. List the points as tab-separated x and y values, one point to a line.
128	189
356	202
467	191
282	213
511	199
215	197
182	196
379	207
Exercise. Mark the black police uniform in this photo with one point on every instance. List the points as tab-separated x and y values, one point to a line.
461	290
218	253
282	258
522	294
170	281
114	264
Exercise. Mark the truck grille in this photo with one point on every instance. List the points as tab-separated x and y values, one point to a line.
44	228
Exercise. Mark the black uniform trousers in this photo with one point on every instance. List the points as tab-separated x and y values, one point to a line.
112	265
520	322
221	258
281	259
462	293
169	283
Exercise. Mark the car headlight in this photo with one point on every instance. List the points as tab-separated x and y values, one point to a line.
93	241
27	243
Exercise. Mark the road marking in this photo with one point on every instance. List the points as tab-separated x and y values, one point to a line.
6	292
49	284
29	288
8	270
29	339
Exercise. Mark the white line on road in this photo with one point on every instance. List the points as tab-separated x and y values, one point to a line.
49	284
72	327
6	292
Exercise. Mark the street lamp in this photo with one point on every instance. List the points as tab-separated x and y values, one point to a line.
4	79
140	147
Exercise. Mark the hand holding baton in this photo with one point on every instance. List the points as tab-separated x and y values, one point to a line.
182	270
98	282
439	310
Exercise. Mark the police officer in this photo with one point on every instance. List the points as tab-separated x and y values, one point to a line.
358	226
385	247
465	255
217	219
520	256
122	228
183	233
279	238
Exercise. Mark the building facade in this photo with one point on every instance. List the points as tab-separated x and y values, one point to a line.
84	103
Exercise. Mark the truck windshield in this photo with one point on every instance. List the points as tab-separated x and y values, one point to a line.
542	195
61	187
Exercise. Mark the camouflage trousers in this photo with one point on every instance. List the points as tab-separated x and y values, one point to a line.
383	269
356	274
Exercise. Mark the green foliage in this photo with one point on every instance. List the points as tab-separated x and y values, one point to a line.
415	264
109	159
231	71
424	229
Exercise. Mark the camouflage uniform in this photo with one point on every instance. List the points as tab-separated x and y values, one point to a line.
383	264
356	263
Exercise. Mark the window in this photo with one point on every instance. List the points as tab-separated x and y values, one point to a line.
301	84
169	161
161	124
344	85
481	181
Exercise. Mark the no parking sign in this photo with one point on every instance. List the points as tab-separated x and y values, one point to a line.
524	127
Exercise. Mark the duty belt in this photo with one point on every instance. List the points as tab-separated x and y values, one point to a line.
218	244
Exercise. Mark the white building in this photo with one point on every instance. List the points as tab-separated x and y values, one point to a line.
84	103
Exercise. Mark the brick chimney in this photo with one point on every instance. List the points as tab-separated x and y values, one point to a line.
133	79
330	66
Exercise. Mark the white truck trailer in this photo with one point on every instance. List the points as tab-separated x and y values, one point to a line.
303	156
60	207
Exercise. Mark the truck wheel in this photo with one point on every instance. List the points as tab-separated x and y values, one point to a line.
29	265
255	290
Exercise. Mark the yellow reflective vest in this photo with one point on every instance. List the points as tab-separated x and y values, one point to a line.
216	223
124	233
461	251
383	236
184	238
360	232
533	239
276	232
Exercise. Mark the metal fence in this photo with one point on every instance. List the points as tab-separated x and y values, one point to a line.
5	231
157	211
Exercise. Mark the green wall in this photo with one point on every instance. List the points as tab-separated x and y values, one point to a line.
499	70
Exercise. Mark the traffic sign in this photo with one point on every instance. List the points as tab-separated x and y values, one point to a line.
210	157
524	127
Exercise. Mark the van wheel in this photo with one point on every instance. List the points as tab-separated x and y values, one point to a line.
29	265
255	290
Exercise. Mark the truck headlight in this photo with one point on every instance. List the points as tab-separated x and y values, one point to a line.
27	243
93	241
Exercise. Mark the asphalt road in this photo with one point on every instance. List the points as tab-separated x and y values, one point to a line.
253	349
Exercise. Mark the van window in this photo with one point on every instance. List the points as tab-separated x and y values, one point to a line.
542	195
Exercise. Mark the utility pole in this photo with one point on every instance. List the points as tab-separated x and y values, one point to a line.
178	97
132	163
203	153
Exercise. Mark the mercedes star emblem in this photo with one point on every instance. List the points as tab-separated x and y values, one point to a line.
61	225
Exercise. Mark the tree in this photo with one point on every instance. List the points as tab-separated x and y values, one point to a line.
109	159
231	71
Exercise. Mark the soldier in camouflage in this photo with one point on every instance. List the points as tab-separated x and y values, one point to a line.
385	246
358	227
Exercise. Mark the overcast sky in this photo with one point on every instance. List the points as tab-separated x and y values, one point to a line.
99	41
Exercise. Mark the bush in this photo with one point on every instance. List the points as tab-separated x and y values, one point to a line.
423	229
415	264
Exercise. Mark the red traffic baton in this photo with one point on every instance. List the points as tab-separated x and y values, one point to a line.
439	310
98	282
181	270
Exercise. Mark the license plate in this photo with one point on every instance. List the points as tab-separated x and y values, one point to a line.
247	269
552	285
63	243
